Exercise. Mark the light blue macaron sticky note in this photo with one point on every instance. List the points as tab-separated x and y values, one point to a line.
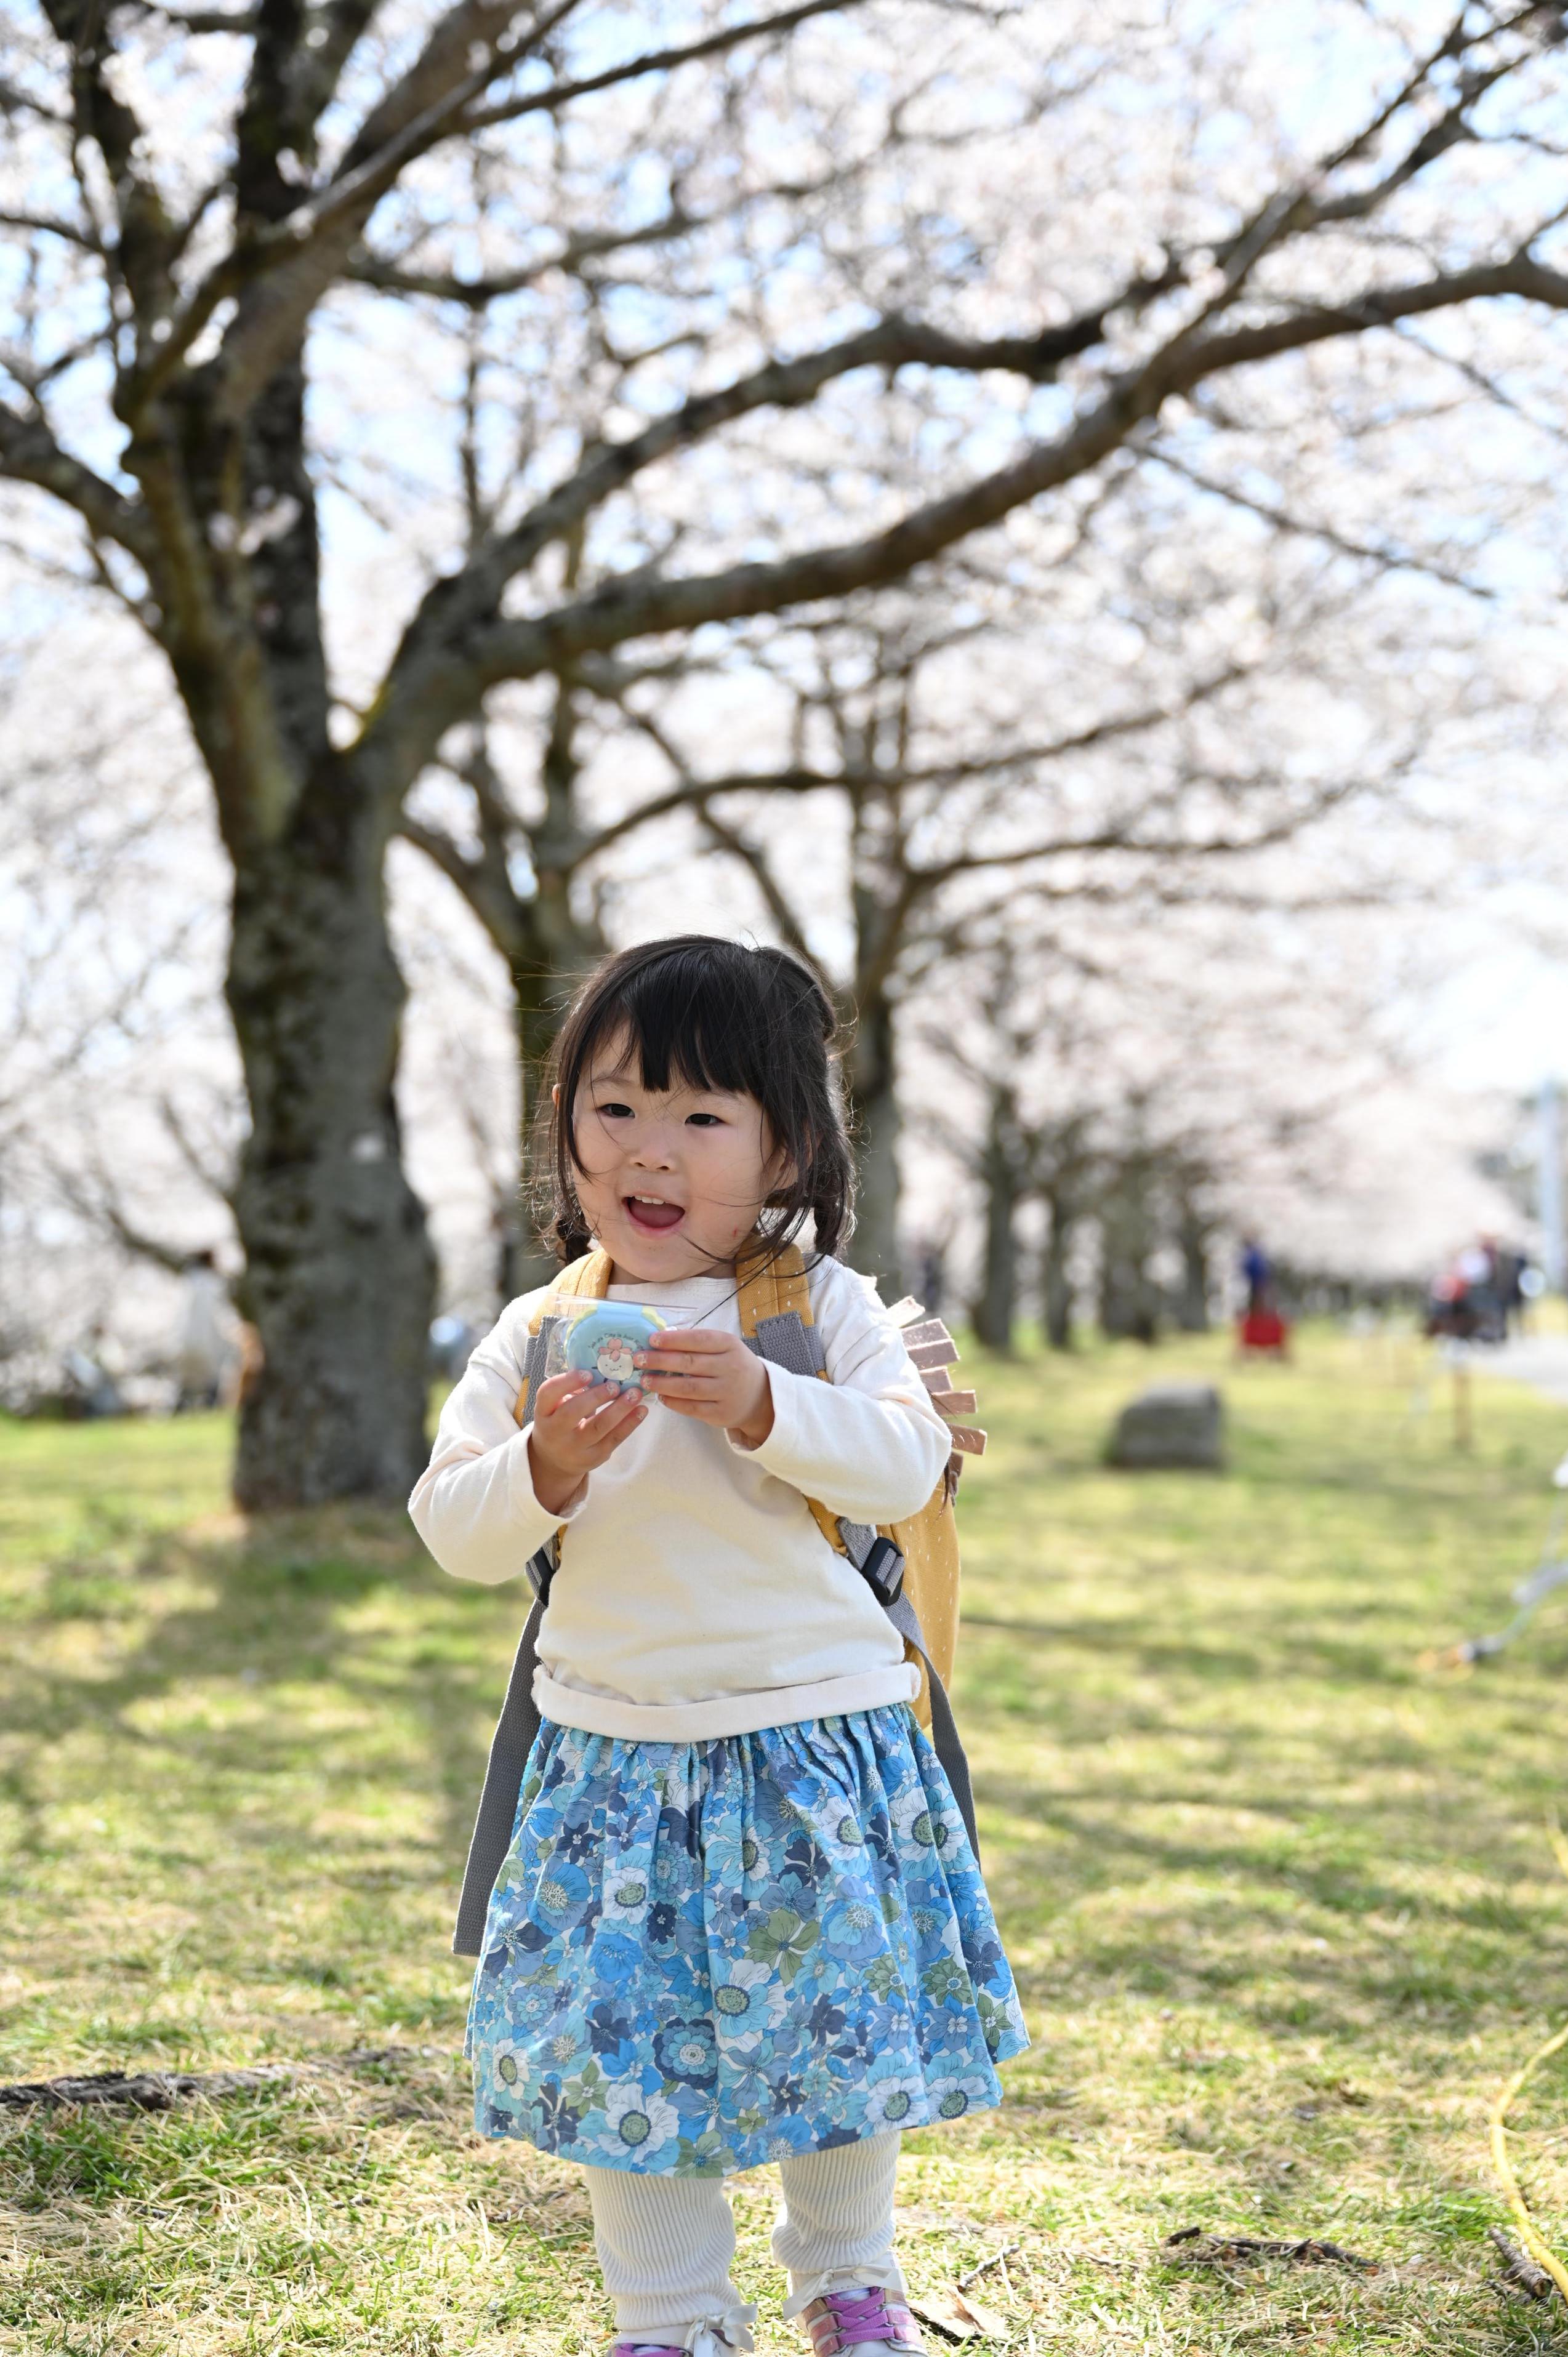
601	1344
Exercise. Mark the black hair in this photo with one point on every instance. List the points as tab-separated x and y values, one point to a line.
716	1015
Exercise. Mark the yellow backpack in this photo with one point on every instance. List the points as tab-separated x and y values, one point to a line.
912	1566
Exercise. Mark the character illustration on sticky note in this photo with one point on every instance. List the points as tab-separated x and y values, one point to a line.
614	1359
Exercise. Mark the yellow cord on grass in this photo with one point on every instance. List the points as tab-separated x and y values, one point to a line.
1539	2251
1559	1840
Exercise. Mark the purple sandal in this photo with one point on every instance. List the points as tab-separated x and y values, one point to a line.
849	2319
708	2336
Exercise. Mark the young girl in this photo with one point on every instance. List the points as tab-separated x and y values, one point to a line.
741	1921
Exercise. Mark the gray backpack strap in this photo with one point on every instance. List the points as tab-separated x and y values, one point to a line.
537	1353
509	1747
788	1342
517	1727
945	1740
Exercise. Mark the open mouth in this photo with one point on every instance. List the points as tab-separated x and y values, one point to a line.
653	1214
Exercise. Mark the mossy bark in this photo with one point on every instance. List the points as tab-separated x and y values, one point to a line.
339	1276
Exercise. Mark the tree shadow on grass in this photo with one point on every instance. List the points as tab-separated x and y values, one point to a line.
218	1697
1236	1920
1239	1659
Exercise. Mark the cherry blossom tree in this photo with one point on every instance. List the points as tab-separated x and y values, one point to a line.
729	316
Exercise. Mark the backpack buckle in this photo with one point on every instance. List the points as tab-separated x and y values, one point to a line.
883	1568
542	1570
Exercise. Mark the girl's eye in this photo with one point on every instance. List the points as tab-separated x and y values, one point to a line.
614	1112
704	1120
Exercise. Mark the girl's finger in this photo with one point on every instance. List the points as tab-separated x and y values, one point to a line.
604	1443
617	1410
661	1359
571	1413
554	1392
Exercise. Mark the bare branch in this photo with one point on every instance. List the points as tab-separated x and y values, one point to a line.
1173	847
756	860
1387	560
1484	381
586	245
102	1206
488	892
218	1181
652	61
695	793
454	605
280	270
521	648
15	99
50	225
29	454
470	45
102	114
200	20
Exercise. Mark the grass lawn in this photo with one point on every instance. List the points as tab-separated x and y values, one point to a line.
1279	1898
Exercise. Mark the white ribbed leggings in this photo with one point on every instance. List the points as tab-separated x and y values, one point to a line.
665	2243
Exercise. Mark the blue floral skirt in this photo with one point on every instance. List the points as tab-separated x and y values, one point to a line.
703	1957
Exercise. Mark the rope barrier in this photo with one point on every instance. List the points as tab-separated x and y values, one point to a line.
1496	2121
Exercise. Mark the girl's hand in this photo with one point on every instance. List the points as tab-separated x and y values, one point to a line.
577	1424
712	1377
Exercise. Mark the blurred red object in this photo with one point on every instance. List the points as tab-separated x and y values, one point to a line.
1263	1329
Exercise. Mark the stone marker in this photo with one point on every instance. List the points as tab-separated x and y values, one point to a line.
1173	1424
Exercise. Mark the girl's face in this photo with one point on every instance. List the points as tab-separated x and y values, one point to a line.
671	1180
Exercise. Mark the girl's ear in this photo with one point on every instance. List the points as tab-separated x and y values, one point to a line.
781	1170
555	1096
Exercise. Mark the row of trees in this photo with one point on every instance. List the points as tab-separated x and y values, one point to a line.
1126	1097
558	441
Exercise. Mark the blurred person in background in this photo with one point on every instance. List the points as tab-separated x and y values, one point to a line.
1257	1275
208	1346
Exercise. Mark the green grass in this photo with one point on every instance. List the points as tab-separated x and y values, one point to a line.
1278	1896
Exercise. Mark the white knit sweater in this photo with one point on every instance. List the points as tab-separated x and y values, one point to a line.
696	1596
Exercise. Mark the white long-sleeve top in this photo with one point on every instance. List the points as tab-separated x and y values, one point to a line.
696	1596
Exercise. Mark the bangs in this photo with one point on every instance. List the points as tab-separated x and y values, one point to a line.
677	1021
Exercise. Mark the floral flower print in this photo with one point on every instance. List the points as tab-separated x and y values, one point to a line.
562	1895
687	2050
638	2119
852	1929
691	1967
961	2092
747	2002
504	2062
893	2094
618	1957
624	1895
921	1823
611	2036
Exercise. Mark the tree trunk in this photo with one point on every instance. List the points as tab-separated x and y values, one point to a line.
548	946
997	1302
876	1249
542	983
1128	1304
1055	1289
1192	1295
338	1271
